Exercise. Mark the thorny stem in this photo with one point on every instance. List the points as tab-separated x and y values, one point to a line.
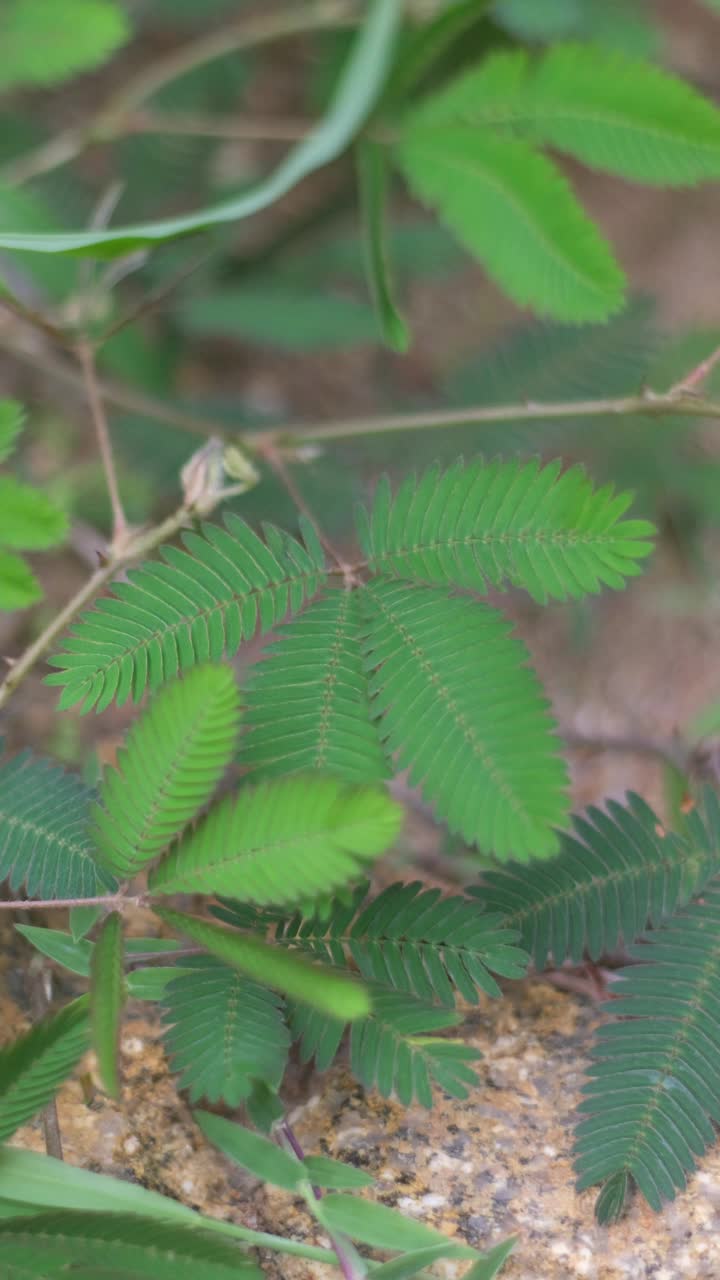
86	357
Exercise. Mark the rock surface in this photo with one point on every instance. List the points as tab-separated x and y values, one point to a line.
494	1165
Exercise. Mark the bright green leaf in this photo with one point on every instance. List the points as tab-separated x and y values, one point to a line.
282	841
107	997
252	1151
514	211
411	1264
18	585
324	1172
28	520
44	42
333	993
376	1224
60	947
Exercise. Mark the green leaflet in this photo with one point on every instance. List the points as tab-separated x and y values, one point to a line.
610	111
28	520
373	174
458	706
307	706
512	209
282	842
652	1098
44	832
393	1049
480	524
44	43
107	997
50	1243
223	1032
252	1151
408	938
360	85
34	1066
174	757
617	872
187	609
333	993
411	1264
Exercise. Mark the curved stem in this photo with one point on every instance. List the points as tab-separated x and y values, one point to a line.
110	120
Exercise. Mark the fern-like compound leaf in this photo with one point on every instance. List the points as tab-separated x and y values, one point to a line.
107	997
458	706
335	994
514	211
410	939
610	111
654	1089
282	842
489	524
618	872
188	608
45	843
395	1049
174	757
34	1066
223	1032
123	1245
308	707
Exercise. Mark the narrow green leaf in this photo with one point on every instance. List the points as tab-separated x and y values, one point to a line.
253	1151
34	1066
107	997
411	1264
152	981
514	211
360	85
44	43
376	1224
324	1172
332	993
492	1262
60	947
82	920
373	171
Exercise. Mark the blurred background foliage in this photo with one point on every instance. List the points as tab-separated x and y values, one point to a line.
270	321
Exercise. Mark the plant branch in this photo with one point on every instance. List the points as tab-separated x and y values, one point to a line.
196	125
134	548
697	376
646	404
110	120
86	356
116	900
